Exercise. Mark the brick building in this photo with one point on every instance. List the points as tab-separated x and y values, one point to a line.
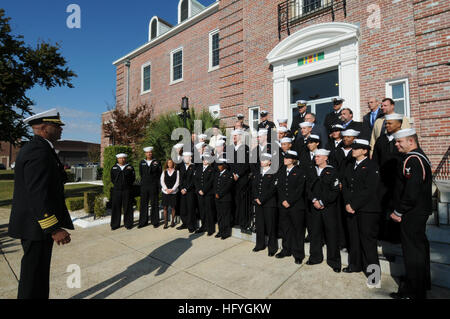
244	56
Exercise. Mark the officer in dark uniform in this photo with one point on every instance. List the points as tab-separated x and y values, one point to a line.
283	124
336	138
122	177
265	123
388	158
323	191
412	210
223	184
39	213
362	204
204	182
307	158
335	116
261	148
240	118
291	191
265	201
150	171
300	141
300	118
240	168
187	190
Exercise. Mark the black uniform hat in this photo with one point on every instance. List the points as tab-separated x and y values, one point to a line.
291	154
313	138
360	143
337	127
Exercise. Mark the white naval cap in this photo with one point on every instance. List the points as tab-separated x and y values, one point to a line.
187	153
220	142
394	116
282	120
314	137
179	145
262	132
291	154
338	99
200	145
322	152
148	149
50	116
301	103
286	140
240	116
264	112
282	129
266	157
203	136
405	133
237	132
350	133
306	124
121	155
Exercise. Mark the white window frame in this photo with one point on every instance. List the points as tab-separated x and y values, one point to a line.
171	65
142	77
210	66
250	116
389	85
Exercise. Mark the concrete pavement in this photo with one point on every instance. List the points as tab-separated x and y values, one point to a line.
161	264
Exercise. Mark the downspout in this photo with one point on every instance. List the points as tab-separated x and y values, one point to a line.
127	64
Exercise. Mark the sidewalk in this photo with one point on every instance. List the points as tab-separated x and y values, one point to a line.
158	263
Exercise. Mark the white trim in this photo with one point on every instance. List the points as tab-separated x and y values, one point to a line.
213	8
143	66
405	82
150	28
210	55
172	81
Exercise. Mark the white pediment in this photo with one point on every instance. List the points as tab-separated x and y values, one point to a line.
312	38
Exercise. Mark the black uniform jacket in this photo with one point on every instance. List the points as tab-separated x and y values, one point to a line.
414	192
264	189
332	119
204	180
150	175
122	179
292	188
340	161
266	125
360	187
223	185
38	206
240	164
187	177
324	188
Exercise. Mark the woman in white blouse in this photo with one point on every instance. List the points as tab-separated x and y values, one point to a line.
170	179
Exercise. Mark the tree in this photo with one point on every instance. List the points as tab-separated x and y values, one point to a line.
21	68
128	129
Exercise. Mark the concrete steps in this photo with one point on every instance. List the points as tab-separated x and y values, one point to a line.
390	255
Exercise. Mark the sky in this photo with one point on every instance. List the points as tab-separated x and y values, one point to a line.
109	30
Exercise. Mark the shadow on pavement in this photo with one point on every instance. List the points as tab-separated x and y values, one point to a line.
173	250
6	241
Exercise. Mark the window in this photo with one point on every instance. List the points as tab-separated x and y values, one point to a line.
177	65
213	50
398	90
146	78
184	12
154	29
253	118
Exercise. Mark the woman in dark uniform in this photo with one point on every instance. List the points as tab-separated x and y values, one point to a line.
170	179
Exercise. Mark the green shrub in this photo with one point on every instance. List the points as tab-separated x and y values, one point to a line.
109	160
7	175
159	132
99	173
138	203
75	203
99	206
70	176
89	201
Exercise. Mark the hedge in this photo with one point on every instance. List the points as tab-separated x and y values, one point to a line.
7	176
75	203
89	202
99	206
109	160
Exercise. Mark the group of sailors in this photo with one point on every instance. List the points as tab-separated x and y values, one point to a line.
346	184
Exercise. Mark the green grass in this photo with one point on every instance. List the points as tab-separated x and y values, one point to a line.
7	189
8	171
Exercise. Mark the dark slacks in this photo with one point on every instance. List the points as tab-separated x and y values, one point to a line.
149	196
34	280
122	199
224	218
292	223
363	232
207	217
242	216
416	254
187	209
265	225
324	225
342	228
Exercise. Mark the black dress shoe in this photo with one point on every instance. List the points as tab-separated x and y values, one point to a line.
165	226
257	249
200	231
191	231
182	227
210	234
114	228
399	295
142	226
156	226
349	269
310	263
225	237
298	261
172	225
337	269
218	235
282	254
271	254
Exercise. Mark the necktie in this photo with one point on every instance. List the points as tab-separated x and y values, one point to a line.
372	119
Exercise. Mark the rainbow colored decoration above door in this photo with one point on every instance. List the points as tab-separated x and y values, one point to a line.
311	58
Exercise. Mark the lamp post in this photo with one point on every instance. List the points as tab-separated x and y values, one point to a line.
185	109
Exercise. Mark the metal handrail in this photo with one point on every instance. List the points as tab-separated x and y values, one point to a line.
442	172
